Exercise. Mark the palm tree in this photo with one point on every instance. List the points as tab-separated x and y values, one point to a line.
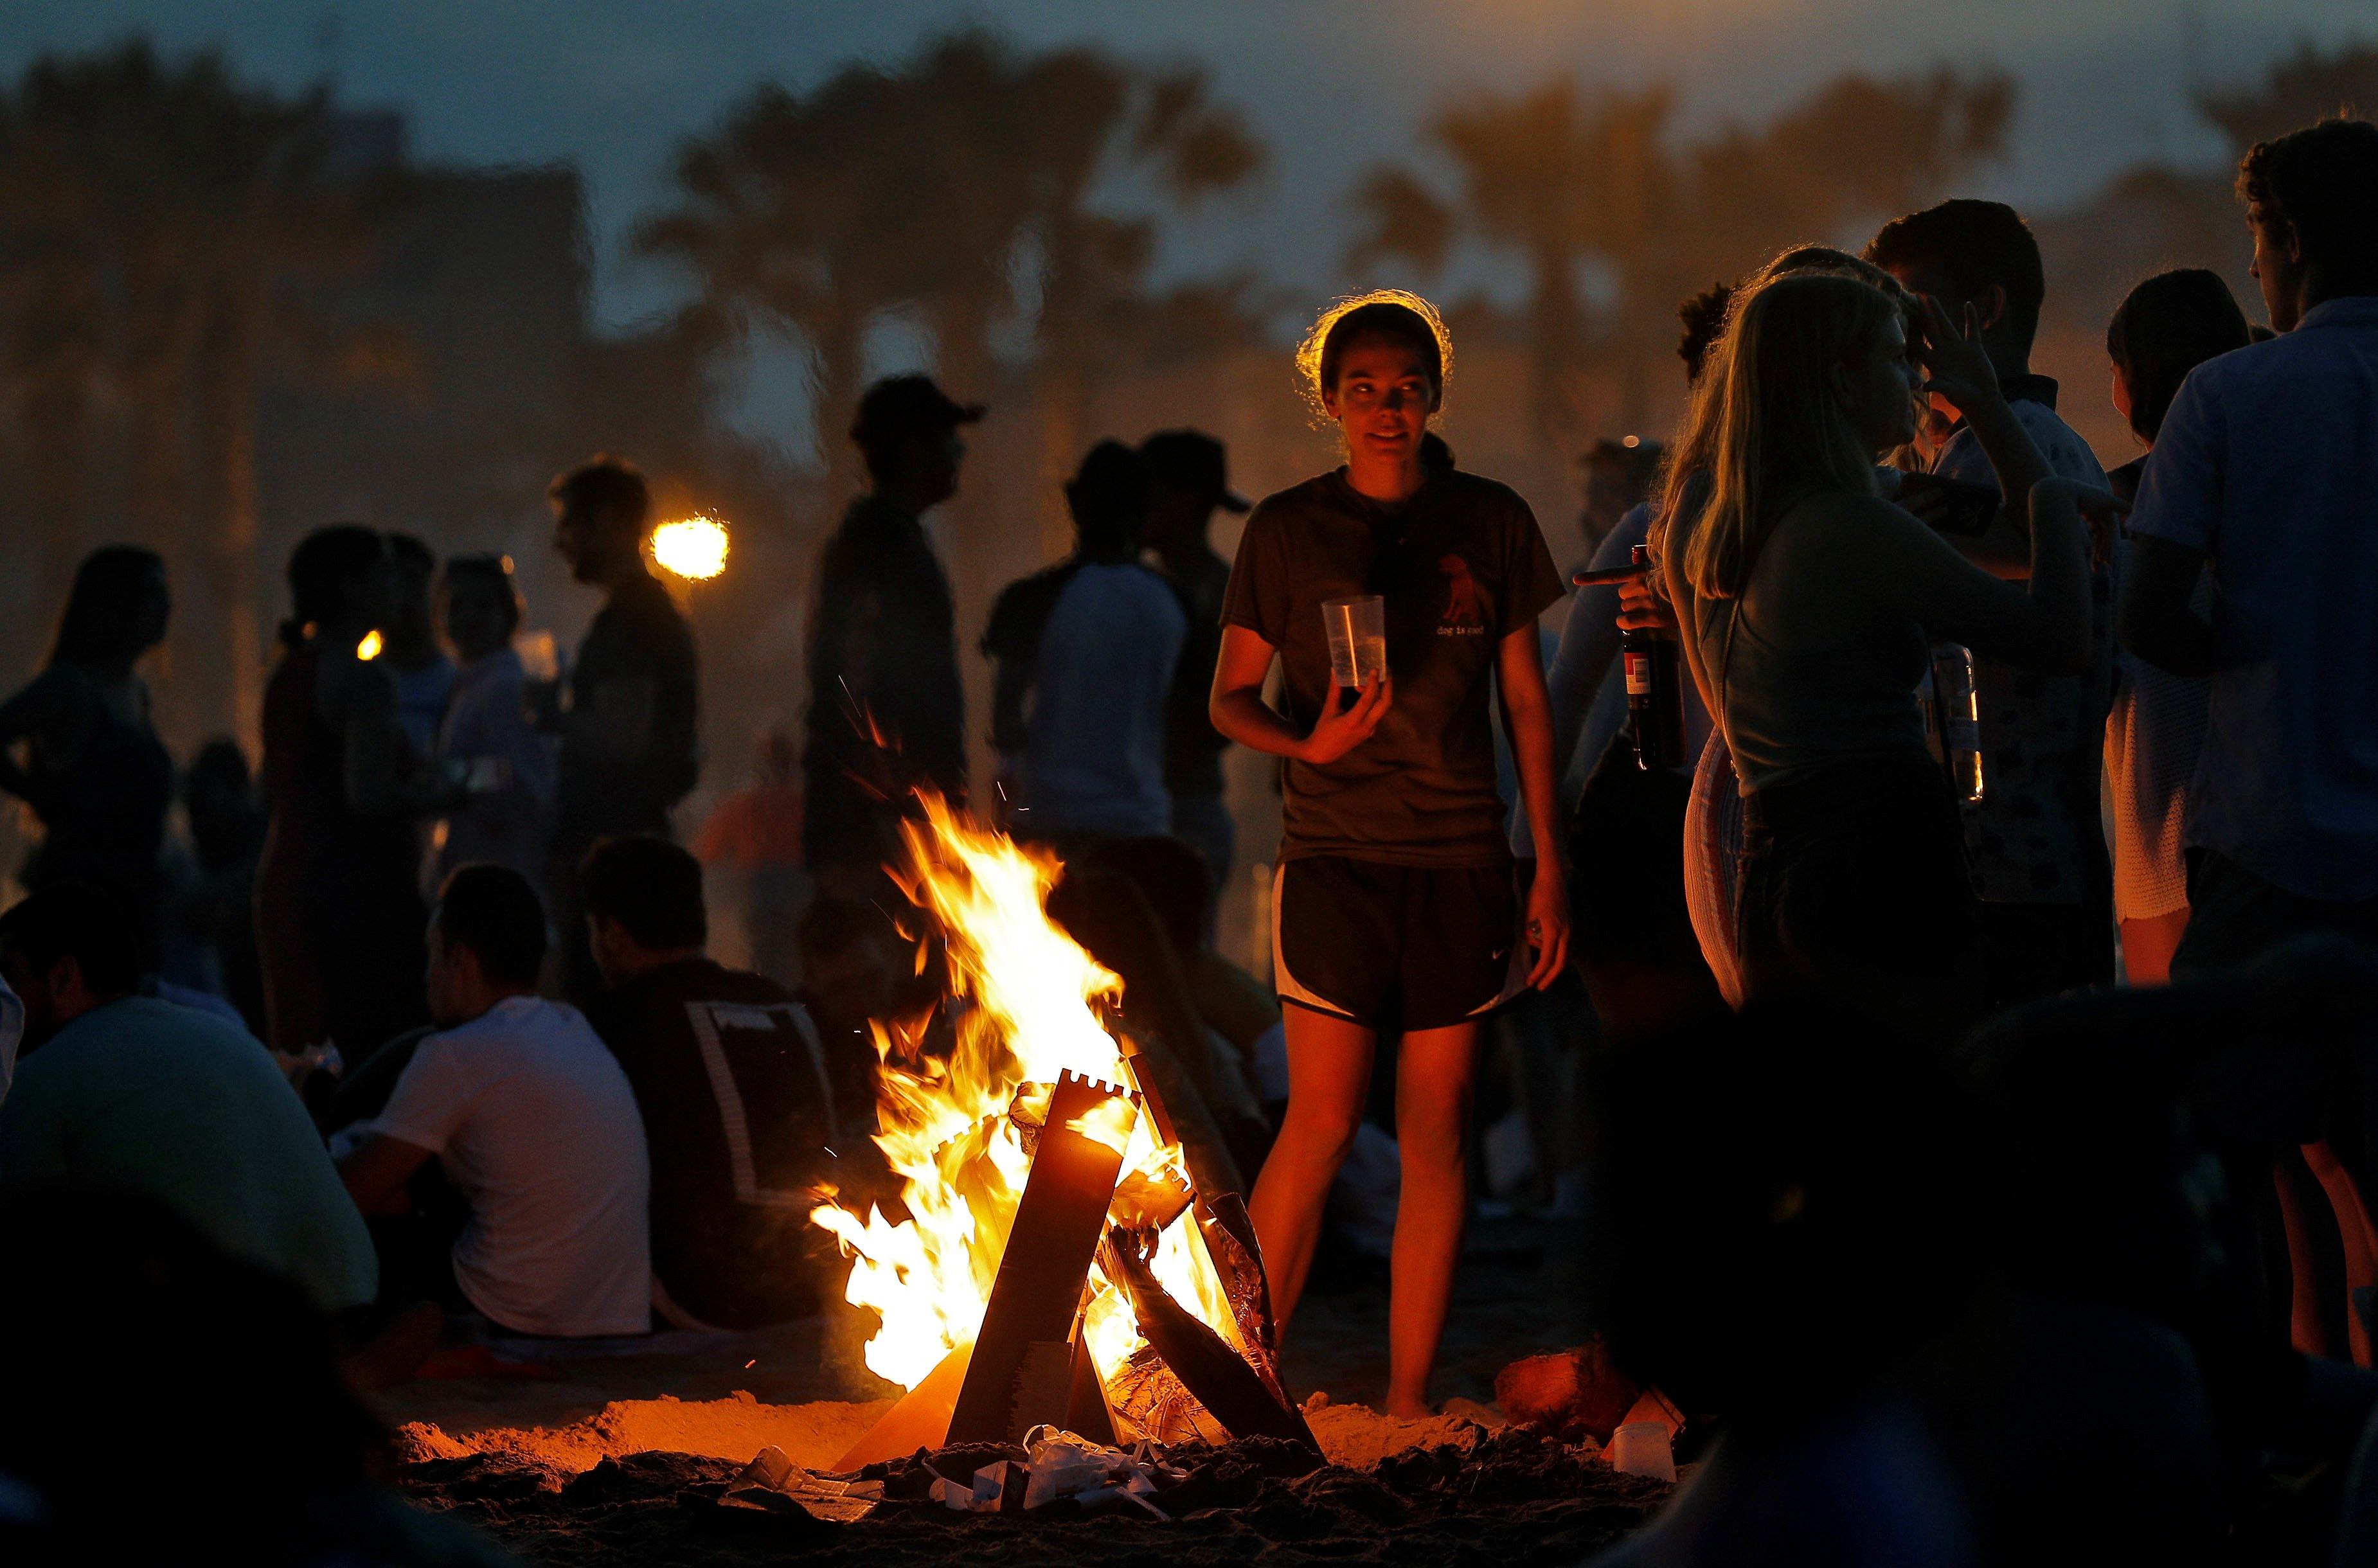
160	223
1563	179
1557	176
960	186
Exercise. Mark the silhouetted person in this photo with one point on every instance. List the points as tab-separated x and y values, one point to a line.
1817	1274
2265	470
91	766
744	1116
531	1119
757	831
121	1093
1188	482
629	749
2039	865
135	1307
418	667
227	837
2164	329
883	656
487	728
338	900
1086	654
1806	601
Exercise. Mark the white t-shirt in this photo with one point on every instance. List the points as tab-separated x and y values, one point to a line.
1095	762
537	1128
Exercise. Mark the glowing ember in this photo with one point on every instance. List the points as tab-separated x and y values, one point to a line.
1029	1004
695	549
368	649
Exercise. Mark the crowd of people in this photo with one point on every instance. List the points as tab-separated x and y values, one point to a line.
1888	1173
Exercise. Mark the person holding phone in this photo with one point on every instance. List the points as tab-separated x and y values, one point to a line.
1396	908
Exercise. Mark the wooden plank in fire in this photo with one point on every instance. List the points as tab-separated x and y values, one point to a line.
1021	1374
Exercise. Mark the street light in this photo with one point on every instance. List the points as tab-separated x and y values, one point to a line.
694	549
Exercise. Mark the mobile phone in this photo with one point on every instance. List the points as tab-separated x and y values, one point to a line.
1965	511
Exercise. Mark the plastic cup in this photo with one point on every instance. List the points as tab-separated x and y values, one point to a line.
1358	637
1643	1448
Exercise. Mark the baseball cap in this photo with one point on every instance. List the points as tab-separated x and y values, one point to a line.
1194	461
898	405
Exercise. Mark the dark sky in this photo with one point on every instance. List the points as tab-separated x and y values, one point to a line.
1335	85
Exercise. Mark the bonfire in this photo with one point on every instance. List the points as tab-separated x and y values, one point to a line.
1055	1263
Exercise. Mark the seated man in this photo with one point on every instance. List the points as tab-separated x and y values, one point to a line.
122	1092
739	1099
532	1119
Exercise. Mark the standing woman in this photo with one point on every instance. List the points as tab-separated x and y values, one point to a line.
2165	328
92	768
1394	907
339	920
1809	604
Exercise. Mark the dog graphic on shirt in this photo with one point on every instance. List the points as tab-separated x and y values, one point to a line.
1465	607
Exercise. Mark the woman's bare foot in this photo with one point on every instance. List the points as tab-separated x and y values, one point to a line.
1405	1410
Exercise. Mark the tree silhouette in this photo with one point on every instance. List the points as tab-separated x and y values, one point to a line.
2294	92
160	222
1554	175
1565	179
962	186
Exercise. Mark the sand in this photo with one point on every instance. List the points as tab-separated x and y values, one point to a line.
817	1434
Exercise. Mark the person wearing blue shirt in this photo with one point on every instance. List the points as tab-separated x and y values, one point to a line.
2266	468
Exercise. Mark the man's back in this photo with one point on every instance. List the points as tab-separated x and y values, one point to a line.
144	1096
538	1129
2268	463
1102	680
745	1116
882	637
629	754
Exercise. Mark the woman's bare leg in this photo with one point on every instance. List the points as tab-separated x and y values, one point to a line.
2148	944
1432	1083
1329	1082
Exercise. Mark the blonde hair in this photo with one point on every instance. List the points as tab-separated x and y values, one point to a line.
1397	313
1776	427
1692	451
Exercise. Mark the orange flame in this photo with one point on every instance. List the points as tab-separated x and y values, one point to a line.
1028	1004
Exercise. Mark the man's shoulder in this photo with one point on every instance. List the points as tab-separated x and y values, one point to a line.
699	980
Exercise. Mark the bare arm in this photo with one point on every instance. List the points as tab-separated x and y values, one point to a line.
377	1171
1239	710
2157	620
1528	722
2042	624
1961	372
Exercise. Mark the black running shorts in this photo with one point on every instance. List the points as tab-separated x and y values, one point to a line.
1396	947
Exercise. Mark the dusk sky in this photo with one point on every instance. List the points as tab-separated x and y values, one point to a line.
1333	85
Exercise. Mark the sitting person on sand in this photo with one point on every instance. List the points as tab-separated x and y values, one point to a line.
127	1093
532	1121
743	1113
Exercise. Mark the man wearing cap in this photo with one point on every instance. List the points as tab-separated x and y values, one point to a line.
1188	478
883	656
1091	644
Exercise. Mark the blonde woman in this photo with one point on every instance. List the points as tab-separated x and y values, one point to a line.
1394	908
1807	605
